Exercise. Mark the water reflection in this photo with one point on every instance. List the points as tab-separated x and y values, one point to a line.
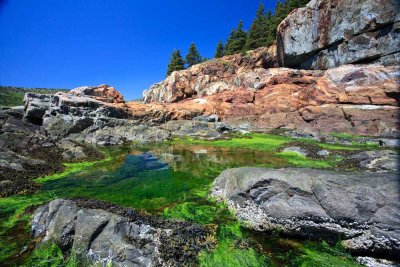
157	176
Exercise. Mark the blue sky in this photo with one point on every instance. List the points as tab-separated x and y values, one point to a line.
123	43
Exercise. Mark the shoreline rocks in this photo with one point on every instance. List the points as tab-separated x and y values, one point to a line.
363	210
27	151
102	233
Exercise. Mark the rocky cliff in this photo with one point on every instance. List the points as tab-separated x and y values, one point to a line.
329	33
338	72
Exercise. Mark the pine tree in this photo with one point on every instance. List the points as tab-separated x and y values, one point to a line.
236	41
229	42
220	50
258	33
271	32
193	57
279	13
176	62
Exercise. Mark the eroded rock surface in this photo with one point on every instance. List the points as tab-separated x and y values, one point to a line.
359	99
330	33
102	233
363	210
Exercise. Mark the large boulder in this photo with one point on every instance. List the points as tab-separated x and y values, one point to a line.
106	234
363	210
329	33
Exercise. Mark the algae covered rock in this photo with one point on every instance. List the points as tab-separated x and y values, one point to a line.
102	233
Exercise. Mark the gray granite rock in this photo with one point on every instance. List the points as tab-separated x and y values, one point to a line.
329	33
363	210
105	234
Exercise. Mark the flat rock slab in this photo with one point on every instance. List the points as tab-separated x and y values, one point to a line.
363	210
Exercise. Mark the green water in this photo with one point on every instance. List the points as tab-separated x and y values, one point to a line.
170	180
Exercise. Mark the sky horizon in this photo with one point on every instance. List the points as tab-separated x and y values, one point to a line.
125	44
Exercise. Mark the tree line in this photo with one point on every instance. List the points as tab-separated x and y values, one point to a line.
262	32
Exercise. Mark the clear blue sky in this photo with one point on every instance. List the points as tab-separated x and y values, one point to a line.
124	43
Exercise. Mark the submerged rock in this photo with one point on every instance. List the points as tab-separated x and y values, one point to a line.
363	210
102	233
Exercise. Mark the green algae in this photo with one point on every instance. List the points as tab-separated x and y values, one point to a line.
298	160
323	255
74	167
15	221
131	177
270	142
229	254
190	211
265	142
47	254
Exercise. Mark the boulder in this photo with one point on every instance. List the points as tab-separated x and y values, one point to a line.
330	33
363	210
106	234
103	93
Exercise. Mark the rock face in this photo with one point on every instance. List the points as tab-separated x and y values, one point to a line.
363	210
63	114
107	234
82	115
327	95
358	99
212	77
329	33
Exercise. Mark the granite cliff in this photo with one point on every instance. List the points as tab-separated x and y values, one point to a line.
333	68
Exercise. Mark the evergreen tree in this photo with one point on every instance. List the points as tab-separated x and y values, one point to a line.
220	50
236	41
193	57
176	62
230	41
258	33
271	31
